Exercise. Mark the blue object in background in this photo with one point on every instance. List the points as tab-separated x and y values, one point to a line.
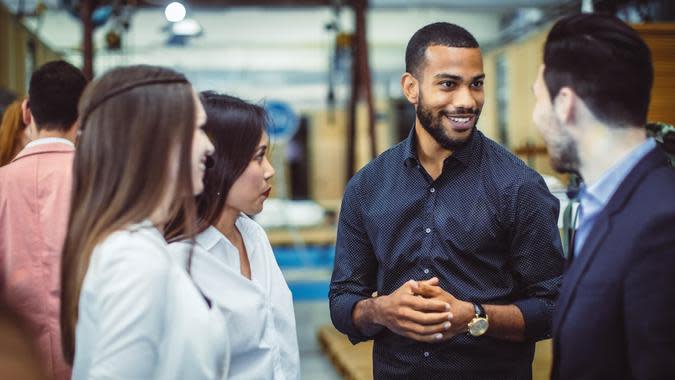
309	290
99	16
315	259
283	122
308	256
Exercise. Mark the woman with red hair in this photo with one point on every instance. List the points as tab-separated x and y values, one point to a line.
13	133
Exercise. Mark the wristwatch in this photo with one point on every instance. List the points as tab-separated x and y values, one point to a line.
479	324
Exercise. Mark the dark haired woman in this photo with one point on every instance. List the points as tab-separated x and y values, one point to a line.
129	310
233	261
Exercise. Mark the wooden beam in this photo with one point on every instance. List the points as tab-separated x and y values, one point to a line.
361	87
366	90
87	39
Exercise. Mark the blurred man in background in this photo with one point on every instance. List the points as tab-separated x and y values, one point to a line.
35	190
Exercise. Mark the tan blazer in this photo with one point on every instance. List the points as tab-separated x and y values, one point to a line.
35	191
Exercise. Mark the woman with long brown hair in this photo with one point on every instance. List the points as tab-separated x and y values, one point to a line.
13	133
233	261
128	309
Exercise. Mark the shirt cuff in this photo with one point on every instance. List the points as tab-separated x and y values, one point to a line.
342	307
537	315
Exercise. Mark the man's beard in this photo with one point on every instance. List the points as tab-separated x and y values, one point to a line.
564	153
433	124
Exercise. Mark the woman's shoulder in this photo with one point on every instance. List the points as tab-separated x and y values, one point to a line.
181	250
129	264
142	246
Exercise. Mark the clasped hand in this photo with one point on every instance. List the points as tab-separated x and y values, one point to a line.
423	311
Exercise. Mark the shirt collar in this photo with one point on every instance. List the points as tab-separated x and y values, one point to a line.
211	236
49	140
463	154
602	190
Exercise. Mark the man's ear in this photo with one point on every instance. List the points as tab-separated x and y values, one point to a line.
410	86
26	116
74	130
564	105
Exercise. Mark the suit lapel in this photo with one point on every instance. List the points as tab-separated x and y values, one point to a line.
600	229
580	264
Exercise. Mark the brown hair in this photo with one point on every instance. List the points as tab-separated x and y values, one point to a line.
132	119
12	131
235	127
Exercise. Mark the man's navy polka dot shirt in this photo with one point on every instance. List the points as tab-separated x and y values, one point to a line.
486	227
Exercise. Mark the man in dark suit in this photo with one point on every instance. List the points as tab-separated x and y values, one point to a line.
616	312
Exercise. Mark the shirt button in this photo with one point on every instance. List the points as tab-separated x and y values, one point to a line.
428	230
426	271
433	190
426	354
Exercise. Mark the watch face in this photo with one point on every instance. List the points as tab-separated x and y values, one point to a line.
478	326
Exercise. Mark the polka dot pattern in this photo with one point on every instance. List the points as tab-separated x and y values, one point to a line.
486	227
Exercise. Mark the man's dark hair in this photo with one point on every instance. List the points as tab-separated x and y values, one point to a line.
605	62
53	94
439	33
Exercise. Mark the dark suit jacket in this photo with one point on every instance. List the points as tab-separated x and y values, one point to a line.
615	317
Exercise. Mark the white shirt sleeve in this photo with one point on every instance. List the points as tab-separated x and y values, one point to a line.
131	285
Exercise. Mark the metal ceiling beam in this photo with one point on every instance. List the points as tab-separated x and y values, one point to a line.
472	5
468	5
260	3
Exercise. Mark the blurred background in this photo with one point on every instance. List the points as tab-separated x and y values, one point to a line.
328	73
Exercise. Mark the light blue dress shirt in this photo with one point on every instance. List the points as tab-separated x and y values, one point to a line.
593	199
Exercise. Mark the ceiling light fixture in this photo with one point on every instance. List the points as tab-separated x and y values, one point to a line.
175	12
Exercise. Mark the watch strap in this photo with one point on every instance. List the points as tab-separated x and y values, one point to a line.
480	311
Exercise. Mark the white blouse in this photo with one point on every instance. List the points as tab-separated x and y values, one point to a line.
259	312
141	316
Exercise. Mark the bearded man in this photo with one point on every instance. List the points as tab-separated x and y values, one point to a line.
617	301
457	236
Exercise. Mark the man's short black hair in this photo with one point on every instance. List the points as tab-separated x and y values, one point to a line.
53	94
439	33
605	62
